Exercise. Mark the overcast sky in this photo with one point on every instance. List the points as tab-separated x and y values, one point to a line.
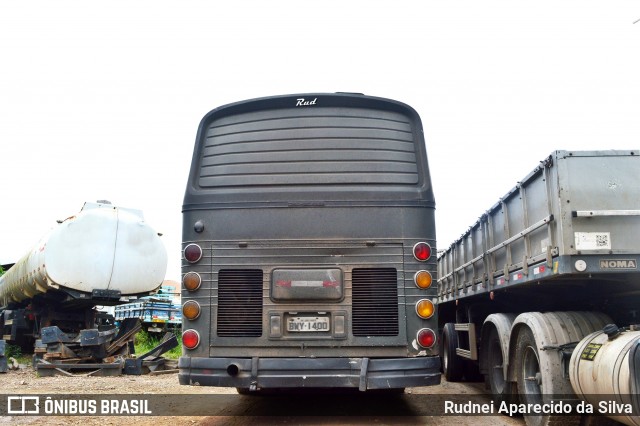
101	100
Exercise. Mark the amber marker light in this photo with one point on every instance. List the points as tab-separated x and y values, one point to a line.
191	281
426	338
422	251
192	253
424	308
191	310
423	279
190	339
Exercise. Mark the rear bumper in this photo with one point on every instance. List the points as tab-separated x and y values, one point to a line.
263	373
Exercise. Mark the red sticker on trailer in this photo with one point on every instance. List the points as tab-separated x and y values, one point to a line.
539	270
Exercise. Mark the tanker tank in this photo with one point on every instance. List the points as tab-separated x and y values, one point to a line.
101	255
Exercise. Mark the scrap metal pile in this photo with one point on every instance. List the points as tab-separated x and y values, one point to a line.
108	352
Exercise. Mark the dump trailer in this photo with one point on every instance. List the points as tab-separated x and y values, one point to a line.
541	295
104	255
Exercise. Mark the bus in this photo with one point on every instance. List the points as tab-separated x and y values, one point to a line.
308	249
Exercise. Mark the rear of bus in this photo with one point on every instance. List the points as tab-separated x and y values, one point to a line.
309	247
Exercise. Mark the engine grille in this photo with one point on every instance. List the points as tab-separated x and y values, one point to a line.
239	303
375	302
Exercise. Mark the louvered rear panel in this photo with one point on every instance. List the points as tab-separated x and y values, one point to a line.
374	302
317	146
239	303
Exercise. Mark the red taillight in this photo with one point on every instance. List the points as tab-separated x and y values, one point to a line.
422	251
192	253
426	338
190	339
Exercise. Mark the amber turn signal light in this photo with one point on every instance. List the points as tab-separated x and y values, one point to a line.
191	310
423	279
191	281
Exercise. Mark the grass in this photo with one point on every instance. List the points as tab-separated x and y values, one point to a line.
144	342
14	351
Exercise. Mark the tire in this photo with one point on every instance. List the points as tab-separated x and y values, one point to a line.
502	390
529	376
531	381
452	365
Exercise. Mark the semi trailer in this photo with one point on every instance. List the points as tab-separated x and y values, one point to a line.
541	295
104	255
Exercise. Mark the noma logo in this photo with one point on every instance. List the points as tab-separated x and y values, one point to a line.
304	102
618	264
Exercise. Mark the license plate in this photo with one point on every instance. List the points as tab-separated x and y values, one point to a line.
308	324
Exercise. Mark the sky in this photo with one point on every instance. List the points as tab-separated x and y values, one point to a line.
102	100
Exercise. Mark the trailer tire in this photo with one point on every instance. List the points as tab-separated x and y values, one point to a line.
452	365
531	382
501	389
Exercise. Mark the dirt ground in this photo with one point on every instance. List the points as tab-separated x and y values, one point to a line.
25	381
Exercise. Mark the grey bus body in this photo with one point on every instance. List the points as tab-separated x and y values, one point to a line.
541	294
307	208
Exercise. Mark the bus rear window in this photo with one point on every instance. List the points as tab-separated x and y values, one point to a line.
318	146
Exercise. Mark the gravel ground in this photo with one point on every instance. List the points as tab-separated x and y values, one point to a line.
25	381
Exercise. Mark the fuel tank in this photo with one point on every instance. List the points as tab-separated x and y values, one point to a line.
103	249
604	372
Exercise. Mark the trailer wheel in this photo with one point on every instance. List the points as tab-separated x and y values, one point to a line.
529	376
452	365
531	381
501	389
539	373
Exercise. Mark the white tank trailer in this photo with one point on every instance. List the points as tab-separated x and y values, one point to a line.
104	255
542	294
